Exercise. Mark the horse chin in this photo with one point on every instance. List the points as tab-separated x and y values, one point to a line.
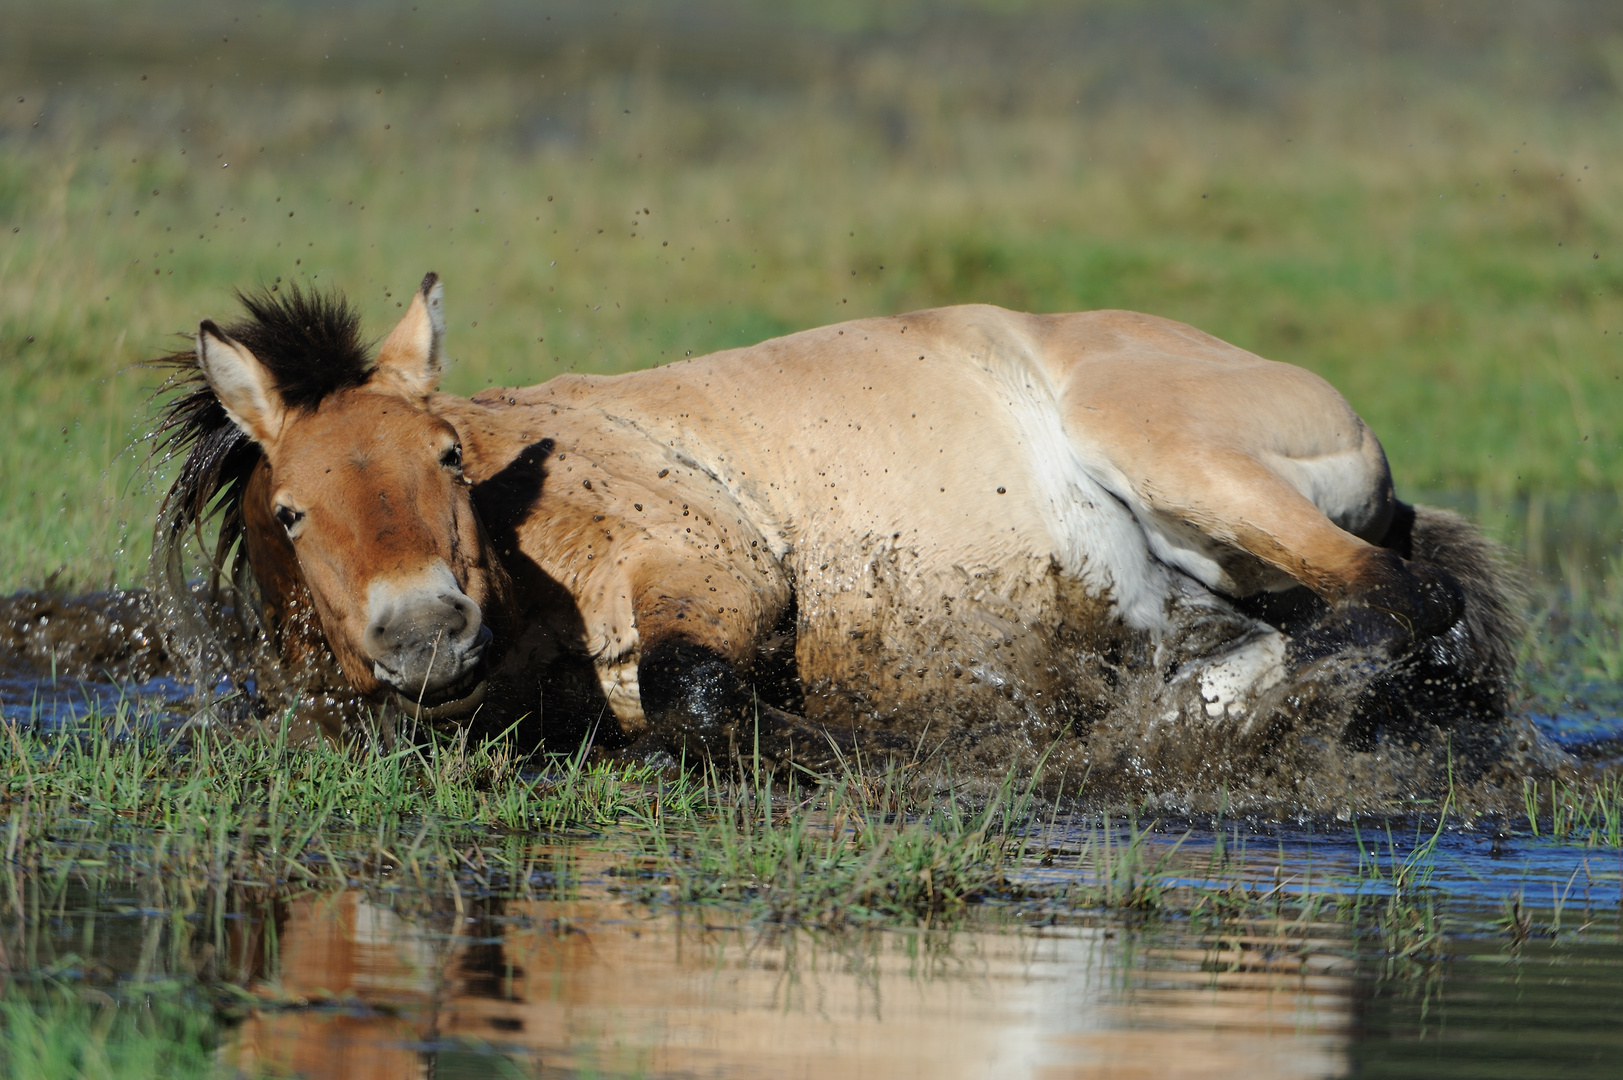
455	702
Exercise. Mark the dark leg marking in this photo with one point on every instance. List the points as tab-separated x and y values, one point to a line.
1394	603
698	703
1400	533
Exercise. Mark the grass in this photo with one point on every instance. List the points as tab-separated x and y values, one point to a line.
206	832
223	810
1447	259
855	851
1436	235
1574	660
56	1030
1578	813
217	812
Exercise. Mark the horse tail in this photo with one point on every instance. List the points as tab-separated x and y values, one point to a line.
1483	647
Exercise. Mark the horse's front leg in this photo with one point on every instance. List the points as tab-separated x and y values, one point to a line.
702	705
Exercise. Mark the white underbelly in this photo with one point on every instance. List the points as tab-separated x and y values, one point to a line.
1216	565
1095	534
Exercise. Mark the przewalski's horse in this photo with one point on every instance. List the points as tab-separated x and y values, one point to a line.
1105	536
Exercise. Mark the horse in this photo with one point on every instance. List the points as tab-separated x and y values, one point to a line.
1105	540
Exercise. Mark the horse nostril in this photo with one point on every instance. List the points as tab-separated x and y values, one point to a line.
466	608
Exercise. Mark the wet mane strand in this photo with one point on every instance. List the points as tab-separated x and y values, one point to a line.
311	344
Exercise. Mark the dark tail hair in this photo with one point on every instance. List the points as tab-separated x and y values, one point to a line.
1484	645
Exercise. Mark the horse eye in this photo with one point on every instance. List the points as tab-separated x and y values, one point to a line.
452	458
289	517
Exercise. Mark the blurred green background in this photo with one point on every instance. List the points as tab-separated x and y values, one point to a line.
1419	201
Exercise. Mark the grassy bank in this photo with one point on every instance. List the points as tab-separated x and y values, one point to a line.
1438	241
199	811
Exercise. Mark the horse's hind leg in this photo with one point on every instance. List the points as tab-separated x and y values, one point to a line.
1378	598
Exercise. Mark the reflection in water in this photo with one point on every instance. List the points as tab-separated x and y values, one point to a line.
392	982
569	986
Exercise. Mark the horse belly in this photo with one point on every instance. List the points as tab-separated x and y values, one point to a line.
1020	647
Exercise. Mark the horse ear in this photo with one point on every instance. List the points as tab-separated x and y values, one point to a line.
240	382
411	353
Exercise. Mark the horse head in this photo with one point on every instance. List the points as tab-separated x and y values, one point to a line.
358	492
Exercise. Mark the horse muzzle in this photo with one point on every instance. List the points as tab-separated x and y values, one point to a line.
452	702
428	644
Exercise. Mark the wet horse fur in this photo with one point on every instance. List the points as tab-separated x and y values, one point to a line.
1105	541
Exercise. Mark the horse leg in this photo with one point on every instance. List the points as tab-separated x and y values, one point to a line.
700	704
1378	599
701	620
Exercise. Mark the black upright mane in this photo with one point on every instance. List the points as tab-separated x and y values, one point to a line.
311	344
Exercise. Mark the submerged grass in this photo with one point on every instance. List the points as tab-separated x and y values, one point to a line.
1396	899
204	823
855	850
1589	813
225	808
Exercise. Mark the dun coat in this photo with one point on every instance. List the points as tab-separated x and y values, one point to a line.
992	532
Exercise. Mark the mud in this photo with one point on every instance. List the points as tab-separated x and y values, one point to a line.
1352	735
65	657
991	673
98	635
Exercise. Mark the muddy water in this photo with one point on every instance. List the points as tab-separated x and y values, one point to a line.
65	658
382	983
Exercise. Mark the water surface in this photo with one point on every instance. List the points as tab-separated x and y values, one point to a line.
597	974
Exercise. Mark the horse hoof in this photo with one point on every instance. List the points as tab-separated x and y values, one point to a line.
1389	619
